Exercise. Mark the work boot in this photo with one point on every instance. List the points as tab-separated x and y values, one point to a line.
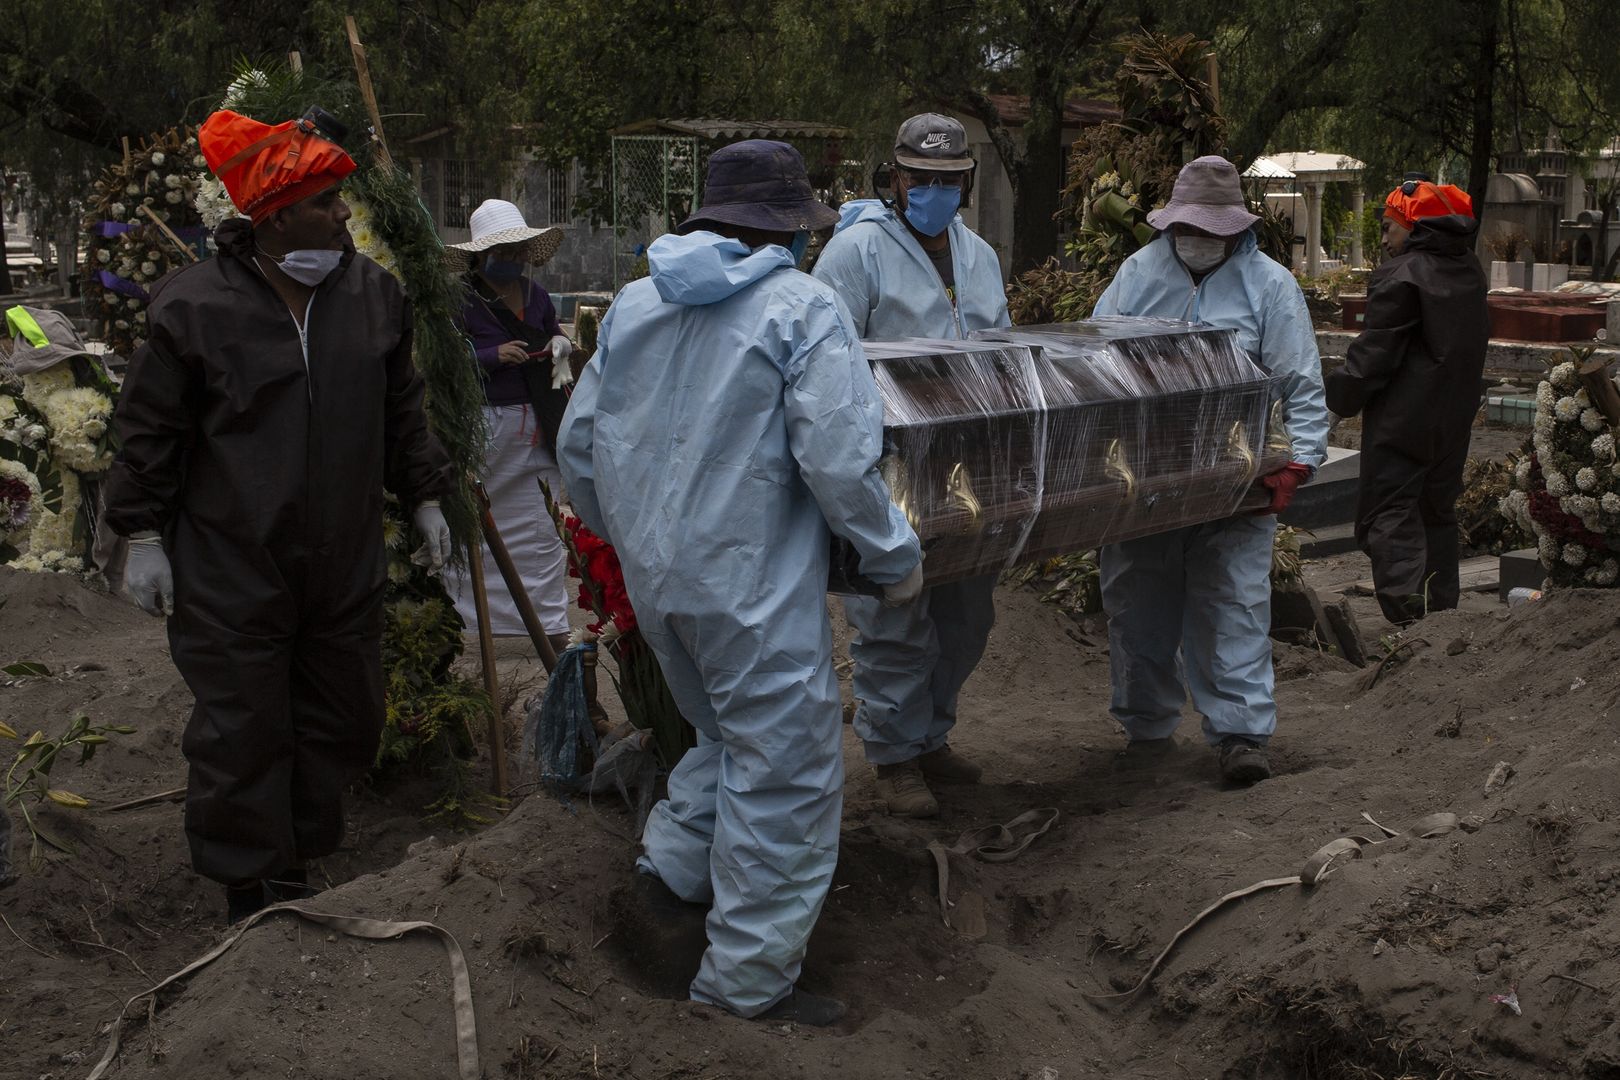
1242	761
803	1007
289	884
242	900
1146	753
947	764
905	791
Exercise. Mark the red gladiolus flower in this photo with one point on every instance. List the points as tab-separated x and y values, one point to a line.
601	579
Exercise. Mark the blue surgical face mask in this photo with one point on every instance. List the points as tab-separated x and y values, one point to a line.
931	209
501	271
307	266
801	241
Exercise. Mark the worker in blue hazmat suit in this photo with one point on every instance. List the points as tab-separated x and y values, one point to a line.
727	426
1195	603
914	269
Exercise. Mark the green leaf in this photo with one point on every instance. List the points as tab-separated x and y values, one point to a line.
27	669
59	845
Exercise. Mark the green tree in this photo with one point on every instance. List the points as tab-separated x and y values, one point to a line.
1363	76
954	55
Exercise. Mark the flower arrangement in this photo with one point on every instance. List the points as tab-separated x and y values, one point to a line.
368	240
640	682
56	440
29	486
126	252
430	710
595	564
19	505
1567	493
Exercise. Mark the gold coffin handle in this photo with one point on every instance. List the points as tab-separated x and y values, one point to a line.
1237	445
1277	439
894	474
959	489
1117	467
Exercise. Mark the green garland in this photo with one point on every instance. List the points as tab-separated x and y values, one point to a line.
455	393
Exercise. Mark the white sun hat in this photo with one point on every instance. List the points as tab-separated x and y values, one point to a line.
497	222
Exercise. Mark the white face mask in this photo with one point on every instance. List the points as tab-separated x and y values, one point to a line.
1201	253
308	266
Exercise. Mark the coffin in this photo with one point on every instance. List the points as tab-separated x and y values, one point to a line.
1037	441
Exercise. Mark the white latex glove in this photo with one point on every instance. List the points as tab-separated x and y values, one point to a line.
435	549
148	578
561	373
905	590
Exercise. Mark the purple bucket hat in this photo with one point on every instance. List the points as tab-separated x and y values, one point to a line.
1209	196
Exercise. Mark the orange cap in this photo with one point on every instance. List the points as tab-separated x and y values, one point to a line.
1426	201
265	167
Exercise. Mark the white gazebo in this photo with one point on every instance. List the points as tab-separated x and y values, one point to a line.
1310	172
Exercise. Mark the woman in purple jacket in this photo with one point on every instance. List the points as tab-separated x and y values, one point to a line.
523	355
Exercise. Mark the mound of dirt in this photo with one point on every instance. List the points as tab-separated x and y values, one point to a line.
1386	968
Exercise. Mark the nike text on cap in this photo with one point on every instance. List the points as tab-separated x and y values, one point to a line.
934	142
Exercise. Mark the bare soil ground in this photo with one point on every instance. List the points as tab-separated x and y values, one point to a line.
1385	969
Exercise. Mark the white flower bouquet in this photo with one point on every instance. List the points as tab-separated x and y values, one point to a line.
1568	493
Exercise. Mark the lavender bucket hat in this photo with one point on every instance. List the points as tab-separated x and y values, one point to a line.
1209	196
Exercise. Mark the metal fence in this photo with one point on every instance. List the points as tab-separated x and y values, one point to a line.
656	184
467	182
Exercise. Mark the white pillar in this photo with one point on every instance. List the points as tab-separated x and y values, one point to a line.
1313	228
1358	206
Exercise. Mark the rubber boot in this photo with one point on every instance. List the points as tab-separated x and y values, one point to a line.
905	791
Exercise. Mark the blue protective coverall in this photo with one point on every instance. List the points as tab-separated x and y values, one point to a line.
911	661
1205	590
726	422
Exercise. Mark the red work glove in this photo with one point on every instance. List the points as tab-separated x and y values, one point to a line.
1283	483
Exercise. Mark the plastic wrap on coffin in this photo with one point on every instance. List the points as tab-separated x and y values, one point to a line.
1038	441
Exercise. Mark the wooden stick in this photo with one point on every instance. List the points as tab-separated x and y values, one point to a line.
1595	377
173	239
363	73
514	580
1577	982
173	795
492	681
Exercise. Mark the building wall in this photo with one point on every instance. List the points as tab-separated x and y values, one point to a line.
584	262
451	187
991	215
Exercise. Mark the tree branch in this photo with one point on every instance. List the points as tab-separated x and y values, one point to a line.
1297	82
66	108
